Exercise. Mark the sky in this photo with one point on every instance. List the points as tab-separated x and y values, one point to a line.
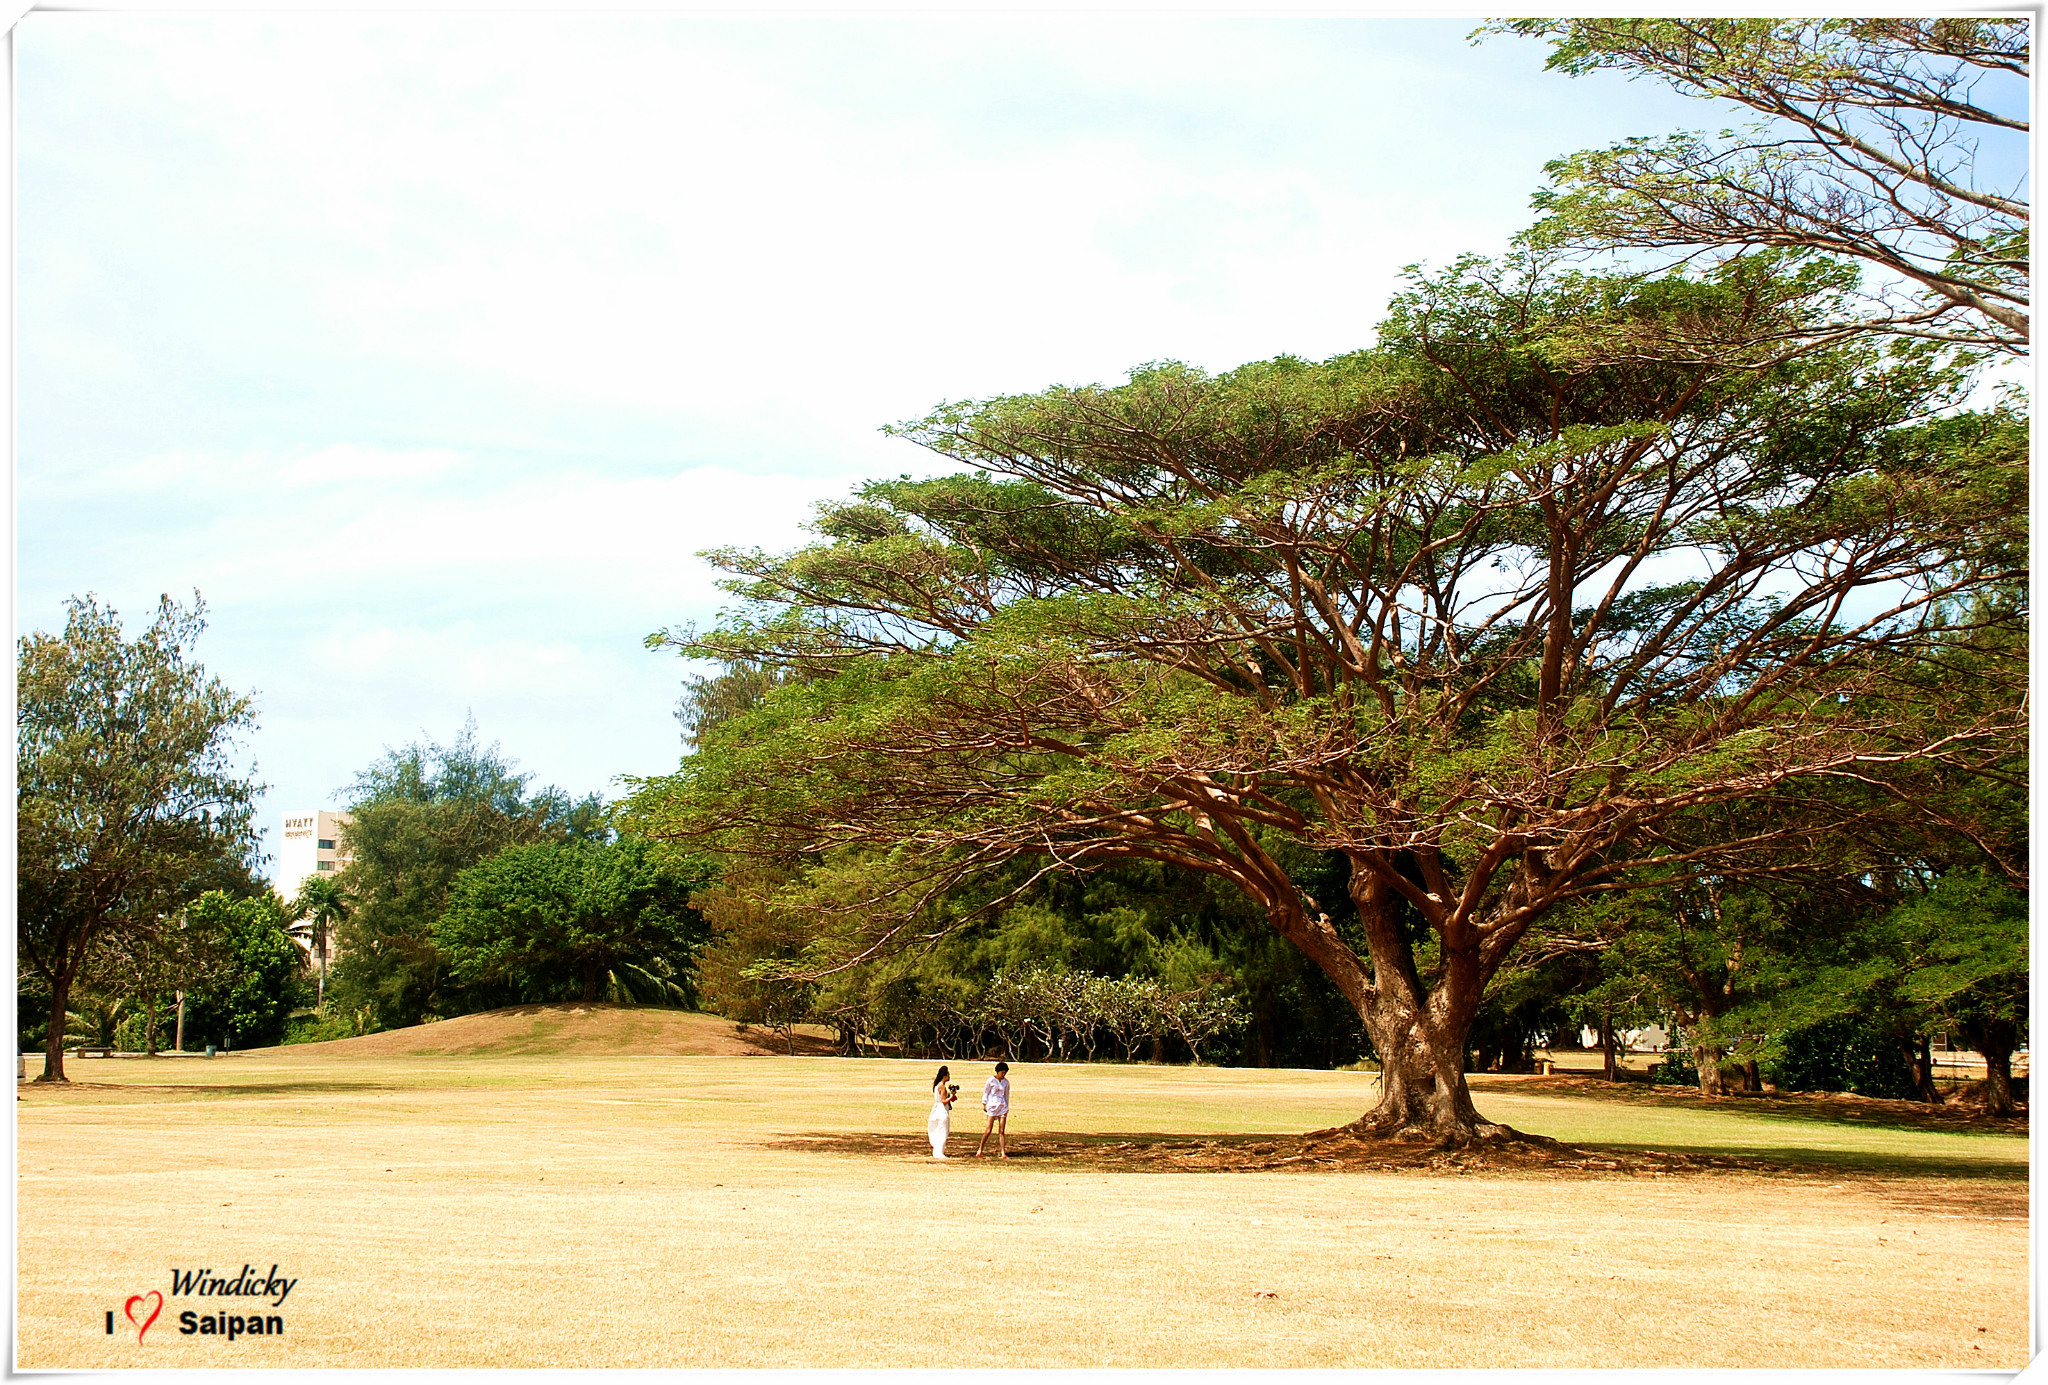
433	350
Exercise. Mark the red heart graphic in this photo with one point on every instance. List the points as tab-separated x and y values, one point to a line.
129	1309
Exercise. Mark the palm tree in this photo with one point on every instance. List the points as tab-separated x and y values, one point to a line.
322	906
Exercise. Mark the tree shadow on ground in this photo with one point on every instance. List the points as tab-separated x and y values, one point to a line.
1168	1152
195	1091
1953	1117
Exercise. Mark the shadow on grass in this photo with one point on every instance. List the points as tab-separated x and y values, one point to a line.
157	1091
1792	1158
1171	1152
1821	1108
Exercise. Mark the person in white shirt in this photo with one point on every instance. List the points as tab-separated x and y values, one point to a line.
995	1101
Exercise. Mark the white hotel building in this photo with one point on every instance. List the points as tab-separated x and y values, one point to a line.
312	844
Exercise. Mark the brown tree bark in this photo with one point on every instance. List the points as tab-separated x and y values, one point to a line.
1998	1098
53	1046
1707	1059
1995	1039
1418	1030
1920	1058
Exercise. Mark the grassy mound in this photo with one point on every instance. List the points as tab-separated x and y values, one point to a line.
584	1030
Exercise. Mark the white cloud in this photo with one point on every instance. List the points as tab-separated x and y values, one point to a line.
433	348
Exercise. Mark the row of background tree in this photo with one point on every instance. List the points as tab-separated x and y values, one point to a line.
144	920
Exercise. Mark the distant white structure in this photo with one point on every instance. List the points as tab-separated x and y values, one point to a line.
312	844
1651	1039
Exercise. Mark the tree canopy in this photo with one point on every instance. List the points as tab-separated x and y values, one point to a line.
1869	149
576	920
419	817
262	978
129	799
1485	609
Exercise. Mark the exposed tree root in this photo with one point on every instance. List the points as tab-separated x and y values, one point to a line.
1473	1135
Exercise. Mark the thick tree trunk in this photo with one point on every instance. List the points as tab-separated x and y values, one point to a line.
53	1046
1707	1058
1752	1077
1608	1068
1995	1040
1420	1035
1998	1098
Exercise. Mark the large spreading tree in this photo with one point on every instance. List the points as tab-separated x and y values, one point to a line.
1485	609
129	801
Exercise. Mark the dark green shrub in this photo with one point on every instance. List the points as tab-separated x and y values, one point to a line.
1847	1054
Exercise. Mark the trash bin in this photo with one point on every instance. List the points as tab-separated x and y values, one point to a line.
209	1050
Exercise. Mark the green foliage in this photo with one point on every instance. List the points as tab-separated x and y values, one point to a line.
1676	1068
709	702
128	800
1481	615
1968	933
1867	150
315	1028
264	978
318	911
1522	1007
418	819
569	920
1851	1053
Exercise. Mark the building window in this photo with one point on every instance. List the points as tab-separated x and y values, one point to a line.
326	865
327	843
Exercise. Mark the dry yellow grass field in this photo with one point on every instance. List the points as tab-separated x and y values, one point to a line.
679	1208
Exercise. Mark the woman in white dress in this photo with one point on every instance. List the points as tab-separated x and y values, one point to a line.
941	1123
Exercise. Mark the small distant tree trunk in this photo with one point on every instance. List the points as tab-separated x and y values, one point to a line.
1608	1067
1920	1058
179	1041
1752	1077
149	1025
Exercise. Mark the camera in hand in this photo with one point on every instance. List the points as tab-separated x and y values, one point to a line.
953	1088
